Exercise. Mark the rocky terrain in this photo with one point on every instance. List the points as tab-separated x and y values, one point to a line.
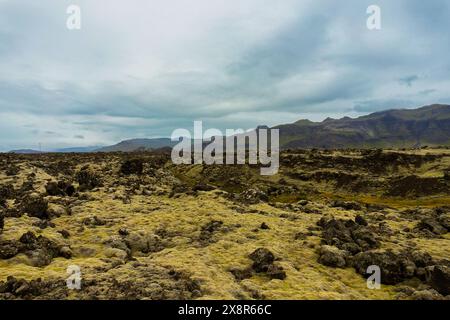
139	227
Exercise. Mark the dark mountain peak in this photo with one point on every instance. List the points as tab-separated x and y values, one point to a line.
428	125
430	111
305	122
437	106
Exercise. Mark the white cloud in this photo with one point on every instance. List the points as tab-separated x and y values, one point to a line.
142	68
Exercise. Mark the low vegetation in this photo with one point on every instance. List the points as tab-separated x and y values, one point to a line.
139	227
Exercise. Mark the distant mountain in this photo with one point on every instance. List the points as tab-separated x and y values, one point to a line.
25	151
403	128
77	149
429	125
138	144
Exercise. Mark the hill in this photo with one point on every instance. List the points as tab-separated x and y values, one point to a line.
25	151
429	125
399	128
138	144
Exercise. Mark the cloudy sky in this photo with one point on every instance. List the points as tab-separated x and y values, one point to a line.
143	68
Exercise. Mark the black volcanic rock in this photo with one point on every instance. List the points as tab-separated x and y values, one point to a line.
132	166
60	188
440	279
35	206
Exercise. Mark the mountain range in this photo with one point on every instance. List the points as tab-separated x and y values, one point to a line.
429	125
138	144
398	128
60	150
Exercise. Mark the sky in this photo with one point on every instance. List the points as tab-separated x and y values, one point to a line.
140	69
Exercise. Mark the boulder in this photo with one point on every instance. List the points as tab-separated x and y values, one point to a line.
29	240
56	210
6	191
276	272
31	289
65	234
347	235
395	267
17	287
9	248
365	239
39	257
144	242
432	225
361	221
262	259
444	220
207	231
439	279
42	224
88	179
132	166
65	252
263	262
12	170
35	206
60	188
41	250
212	226
264	226
52	189
93	221
420	259
332	257
253	196
116	242
426	295
116	253
241	274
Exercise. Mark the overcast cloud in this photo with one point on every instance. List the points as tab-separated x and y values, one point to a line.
143	68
